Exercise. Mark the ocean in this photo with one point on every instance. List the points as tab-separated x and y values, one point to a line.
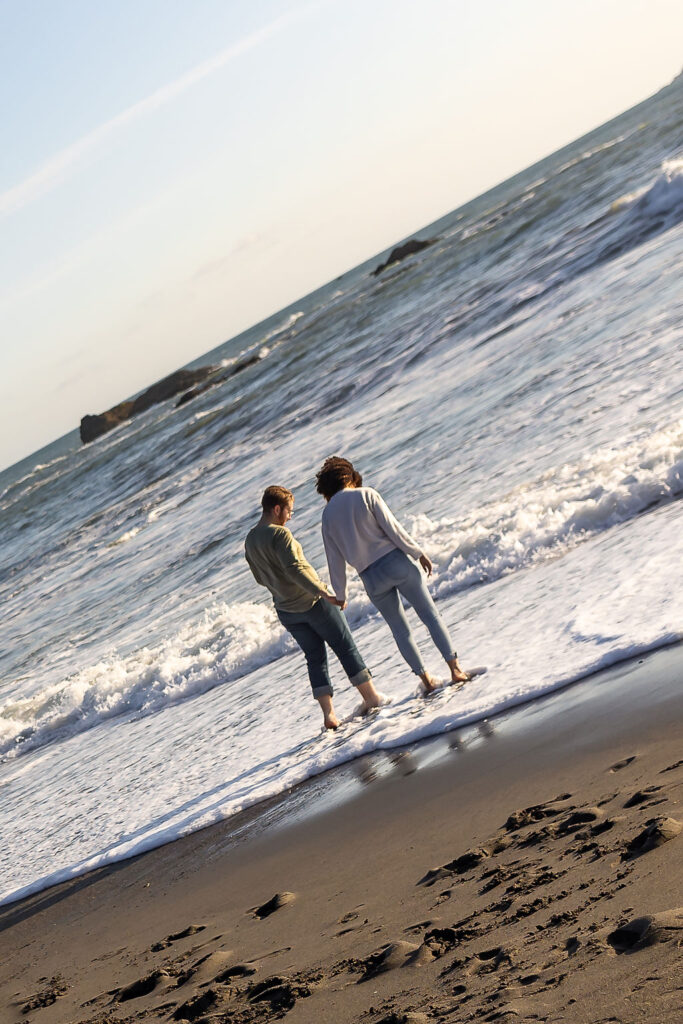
514	391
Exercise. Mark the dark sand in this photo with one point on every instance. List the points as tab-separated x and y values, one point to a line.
525	869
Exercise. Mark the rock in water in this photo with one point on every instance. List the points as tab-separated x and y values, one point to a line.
401	251
93	427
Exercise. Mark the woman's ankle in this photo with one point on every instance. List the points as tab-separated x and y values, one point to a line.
427	681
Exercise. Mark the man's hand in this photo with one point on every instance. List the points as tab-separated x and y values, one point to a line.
426	564
329	597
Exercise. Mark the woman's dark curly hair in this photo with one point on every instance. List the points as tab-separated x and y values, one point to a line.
336	474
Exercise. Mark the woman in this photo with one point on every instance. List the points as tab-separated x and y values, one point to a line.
360	530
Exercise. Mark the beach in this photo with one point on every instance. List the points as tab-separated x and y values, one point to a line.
180	838
525	868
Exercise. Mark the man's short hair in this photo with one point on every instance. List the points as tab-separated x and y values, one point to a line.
336	474
275	495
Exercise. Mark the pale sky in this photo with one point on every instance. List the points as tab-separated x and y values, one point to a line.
174	171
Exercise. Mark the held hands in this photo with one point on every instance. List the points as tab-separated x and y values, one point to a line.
426	564
333	600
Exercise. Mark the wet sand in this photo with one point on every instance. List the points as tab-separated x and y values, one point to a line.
528	868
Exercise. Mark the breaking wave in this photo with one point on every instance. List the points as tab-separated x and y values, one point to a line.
539	520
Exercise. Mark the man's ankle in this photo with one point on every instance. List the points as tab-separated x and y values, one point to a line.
370	696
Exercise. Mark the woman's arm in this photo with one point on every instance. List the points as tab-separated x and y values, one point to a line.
391	526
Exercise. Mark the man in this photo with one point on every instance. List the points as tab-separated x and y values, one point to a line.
303	604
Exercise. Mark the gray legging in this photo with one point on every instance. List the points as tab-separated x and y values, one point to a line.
391	576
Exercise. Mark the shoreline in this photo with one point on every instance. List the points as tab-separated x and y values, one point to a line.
353	844
340	782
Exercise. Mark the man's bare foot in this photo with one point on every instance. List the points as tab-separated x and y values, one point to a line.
371	698
331	720
457	674
429	683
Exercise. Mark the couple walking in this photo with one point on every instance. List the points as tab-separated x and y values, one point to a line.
359	530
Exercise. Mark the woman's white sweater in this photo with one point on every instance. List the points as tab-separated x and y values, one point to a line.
359	528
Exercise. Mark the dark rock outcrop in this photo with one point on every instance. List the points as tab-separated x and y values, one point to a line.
93	427
241	364
401	251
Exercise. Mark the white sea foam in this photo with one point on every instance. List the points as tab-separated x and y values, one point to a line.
126	746
152	779
563	508
16	488
40	466
590	153
535	522
227	642
662	198
203	413
128	535
286	326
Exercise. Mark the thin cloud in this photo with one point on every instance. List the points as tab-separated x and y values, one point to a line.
56	169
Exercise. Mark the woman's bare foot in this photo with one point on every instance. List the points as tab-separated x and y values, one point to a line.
457	674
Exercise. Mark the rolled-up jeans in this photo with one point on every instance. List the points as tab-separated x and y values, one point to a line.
385	581
312	629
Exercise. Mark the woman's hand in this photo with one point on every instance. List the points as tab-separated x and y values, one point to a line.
426	564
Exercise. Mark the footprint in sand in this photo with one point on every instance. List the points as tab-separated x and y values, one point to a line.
489	960
642	796
468	860
198	1006
141	987
624	763
191	929
280	993
352	915
218	967
537	812
651	930
280	899
55	988
657	831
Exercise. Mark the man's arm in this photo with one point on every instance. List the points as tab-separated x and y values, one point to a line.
254	570
336	563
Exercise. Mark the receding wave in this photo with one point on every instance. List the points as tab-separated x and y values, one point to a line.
539	520
227	642
662	200
630	221
551	515
286	326
588	154
638	216
37	475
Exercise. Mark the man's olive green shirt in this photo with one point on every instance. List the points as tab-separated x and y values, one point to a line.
277	561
